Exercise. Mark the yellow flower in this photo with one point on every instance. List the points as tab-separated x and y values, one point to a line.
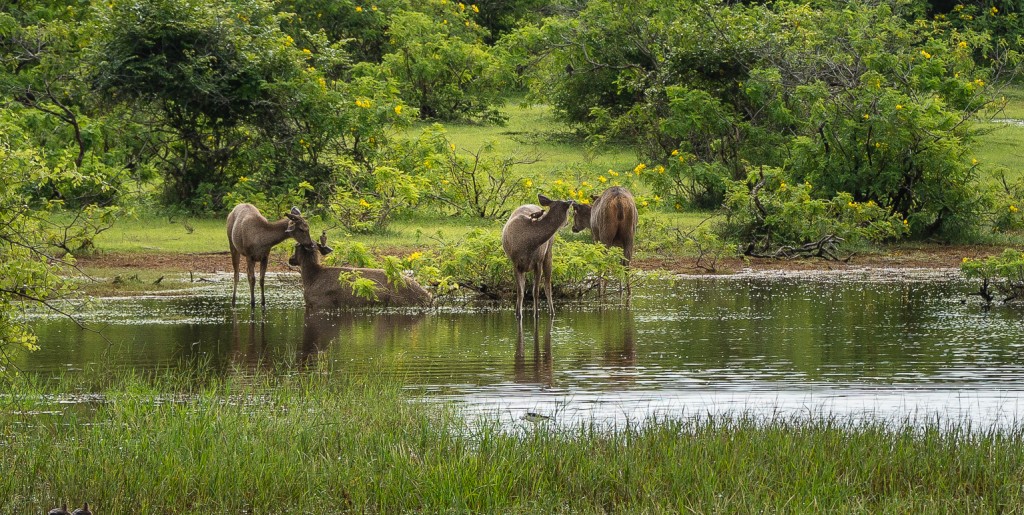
994	10
962	44
527	183
373	8
644	203
243	179
1013	208
656	198
462	6
675	152
364	203
867	116
899	106
359	9
322	82
905	222
926	54
782	186
660	169
678	206
585	184
639	168
415	255
602	179
475	8
613	173
974	161
398	109
979	82
965	260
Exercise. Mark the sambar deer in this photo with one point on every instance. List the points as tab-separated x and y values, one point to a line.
331	287
527	238
251	235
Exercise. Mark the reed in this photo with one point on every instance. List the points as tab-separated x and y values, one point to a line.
327	441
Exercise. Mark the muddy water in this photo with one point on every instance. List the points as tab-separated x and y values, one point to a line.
862	345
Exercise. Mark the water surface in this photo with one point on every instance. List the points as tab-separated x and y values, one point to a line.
896	345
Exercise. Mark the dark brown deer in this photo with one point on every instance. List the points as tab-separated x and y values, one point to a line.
251	235
324	287
527	238
611	218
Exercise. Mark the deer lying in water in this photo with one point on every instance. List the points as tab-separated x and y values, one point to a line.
527	238
330	287
251	235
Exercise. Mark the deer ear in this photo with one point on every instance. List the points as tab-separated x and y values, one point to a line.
291	227
544	201
295	211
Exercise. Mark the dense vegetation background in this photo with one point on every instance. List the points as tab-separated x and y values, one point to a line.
807	122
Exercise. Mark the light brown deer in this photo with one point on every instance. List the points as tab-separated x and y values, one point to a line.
251	235
611	218
527	238
324	287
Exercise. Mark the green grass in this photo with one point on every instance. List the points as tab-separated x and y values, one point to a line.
329	441
533	133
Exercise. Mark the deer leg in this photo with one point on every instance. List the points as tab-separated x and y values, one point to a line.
234	264
250	274
263	277
520	293
538	276
547	286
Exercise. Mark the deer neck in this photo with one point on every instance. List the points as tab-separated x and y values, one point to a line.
274	232
547	226
311	267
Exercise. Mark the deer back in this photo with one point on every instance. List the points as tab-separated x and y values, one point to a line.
613	217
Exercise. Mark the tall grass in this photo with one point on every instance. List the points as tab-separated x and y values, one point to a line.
328	441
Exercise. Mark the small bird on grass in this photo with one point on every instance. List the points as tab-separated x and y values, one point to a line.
535	417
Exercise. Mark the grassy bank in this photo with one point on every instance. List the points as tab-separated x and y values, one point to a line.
327	442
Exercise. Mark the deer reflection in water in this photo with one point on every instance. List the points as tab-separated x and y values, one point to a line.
249	349
321	328
618	333
539	370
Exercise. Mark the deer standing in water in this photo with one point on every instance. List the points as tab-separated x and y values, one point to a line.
612	219
251	235
527	238
324	287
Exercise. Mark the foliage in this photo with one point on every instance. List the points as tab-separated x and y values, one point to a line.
477	262
469	182
768	215
36	238
442	67
1003	274
861	97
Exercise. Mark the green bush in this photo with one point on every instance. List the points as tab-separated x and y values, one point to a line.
477	263
1003	274
771	216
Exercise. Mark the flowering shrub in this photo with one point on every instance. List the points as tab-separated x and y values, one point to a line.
767	213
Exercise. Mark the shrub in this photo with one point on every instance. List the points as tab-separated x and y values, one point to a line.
773	217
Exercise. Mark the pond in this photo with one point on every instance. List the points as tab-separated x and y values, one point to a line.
893	345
